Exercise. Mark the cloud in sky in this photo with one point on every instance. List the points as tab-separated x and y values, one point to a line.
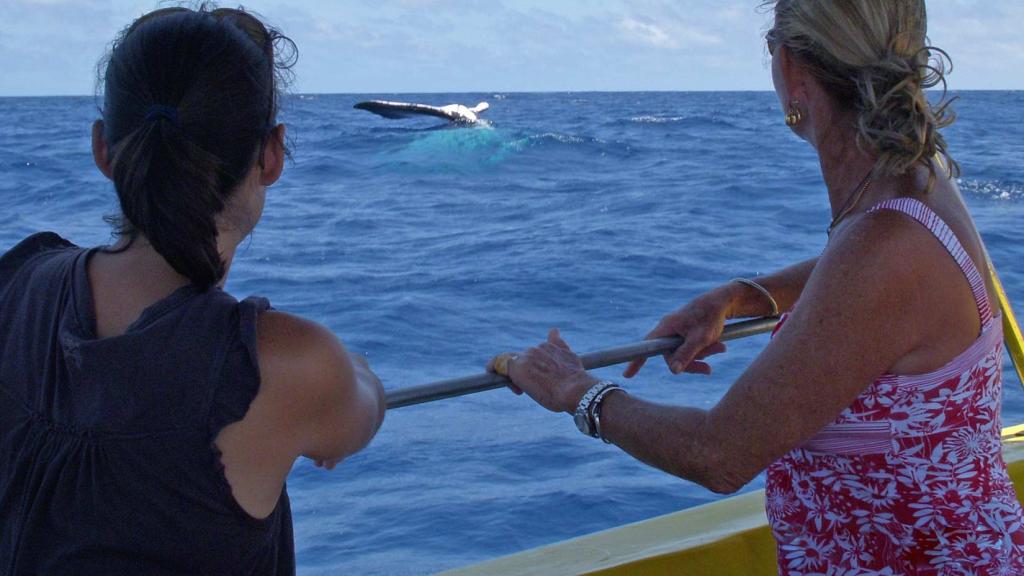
655	35
648	34
51	46
984	40
461	45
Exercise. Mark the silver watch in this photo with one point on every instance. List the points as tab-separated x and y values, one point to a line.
582	417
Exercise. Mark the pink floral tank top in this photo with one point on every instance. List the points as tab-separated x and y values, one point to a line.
910	478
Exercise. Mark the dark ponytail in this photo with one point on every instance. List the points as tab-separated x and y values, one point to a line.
168	190
189	101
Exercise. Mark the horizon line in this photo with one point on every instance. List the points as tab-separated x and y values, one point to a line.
432	92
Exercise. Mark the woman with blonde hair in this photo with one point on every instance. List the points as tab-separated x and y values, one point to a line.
876	407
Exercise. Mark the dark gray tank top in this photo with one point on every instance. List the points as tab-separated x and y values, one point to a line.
107	463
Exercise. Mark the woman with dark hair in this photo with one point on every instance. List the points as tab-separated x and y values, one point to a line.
148	420
875	409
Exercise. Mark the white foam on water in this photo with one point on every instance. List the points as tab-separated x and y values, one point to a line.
656	119
992	189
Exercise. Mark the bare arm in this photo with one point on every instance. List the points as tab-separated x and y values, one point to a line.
315	399
785	286
700	322
329	400
854	322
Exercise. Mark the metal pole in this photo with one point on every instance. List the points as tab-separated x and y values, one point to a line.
599	359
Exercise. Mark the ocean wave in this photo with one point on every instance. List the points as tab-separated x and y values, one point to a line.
551	139
992	189
656	119
686	121
478	148
563	138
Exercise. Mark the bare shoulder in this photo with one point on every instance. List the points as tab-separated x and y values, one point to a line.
881	232
865	292
878	256
296	352
328	398
892	246
903	284
313	400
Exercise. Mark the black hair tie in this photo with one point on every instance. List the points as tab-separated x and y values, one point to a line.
159	111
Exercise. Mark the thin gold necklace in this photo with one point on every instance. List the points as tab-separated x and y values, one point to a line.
851	202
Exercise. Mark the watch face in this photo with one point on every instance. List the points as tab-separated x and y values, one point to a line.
582	422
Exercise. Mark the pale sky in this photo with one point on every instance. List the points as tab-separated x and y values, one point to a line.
50	47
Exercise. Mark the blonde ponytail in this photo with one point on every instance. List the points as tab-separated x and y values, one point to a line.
873	56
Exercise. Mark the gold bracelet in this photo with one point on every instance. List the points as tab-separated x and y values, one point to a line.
762	290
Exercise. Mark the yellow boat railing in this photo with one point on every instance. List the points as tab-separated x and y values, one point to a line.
725	538
1011	329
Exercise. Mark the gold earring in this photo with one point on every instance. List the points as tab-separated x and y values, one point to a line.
793	115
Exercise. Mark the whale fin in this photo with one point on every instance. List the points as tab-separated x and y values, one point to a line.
451	112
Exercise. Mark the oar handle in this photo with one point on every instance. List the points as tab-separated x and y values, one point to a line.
598	359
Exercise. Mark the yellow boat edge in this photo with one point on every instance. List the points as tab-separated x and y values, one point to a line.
1011	329
724	538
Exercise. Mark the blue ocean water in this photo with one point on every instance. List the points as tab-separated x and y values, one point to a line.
429	249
